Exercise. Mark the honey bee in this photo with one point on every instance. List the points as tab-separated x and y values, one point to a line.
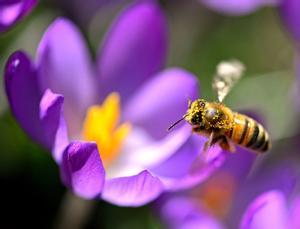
219	123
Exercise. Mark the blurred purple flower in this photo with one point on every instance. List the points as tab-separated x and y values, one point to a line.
290	14
12	11
269	210
222	200
207	205
124	154
272	210
237	7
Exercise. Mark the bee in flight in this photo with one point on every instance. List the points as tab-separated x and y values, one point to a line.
219	123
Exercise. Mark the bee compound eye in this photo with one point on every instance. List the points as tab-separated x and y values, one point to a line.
202	104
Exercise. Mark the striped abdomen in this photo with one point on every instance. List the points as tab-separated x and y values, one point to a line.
249	133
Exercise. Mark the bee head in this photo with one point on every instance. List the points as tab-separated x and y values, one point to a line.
207	115
194	114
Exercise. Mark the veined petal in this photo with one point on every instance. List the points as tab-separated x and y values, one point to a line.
13	11
266	211
289	10
162	101
53	124
237	7
134	49
23	93
135	190
82	169
65	67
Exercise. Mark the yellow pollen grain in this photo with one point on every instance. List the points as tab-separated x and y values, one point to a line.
102	126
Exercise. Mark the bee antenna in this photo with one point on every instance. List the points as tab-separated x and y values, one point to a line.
178	121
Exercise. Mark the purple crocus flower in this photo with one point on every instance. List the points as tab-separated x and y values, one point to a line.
105	124
223	203
237	7
269	210
272	210
209	204
12	11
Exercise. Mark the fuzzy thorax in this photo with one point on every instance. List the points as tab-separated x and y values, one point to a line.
209	115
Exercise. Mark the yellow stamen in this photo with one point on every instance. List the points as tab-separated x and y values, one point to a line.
101	126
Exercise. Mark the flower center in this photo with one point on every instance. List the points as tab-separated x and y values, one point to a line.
102	126
217	194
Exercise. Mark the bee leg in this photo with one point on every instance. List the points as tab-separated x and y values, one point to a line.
227	145
196	129
203	154
208	143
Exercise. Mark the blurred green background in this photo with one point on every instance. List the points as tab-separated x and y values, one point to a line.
31	192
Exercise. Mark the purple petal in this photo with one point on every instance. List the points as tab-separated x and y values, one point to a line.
286	177
266	211
185	167
40	118
82	169
239	164
23	93
183	213
141	152
262	180
13	11
153	152
180	162
65	67
134	48
53	124
237	7
295	213
162	101
132	191
290	14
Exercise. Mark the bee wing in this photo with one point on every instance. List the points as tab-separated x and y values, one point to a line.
227	75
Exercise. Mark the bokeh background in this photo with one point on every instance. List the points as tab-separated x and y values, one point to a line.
31	192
